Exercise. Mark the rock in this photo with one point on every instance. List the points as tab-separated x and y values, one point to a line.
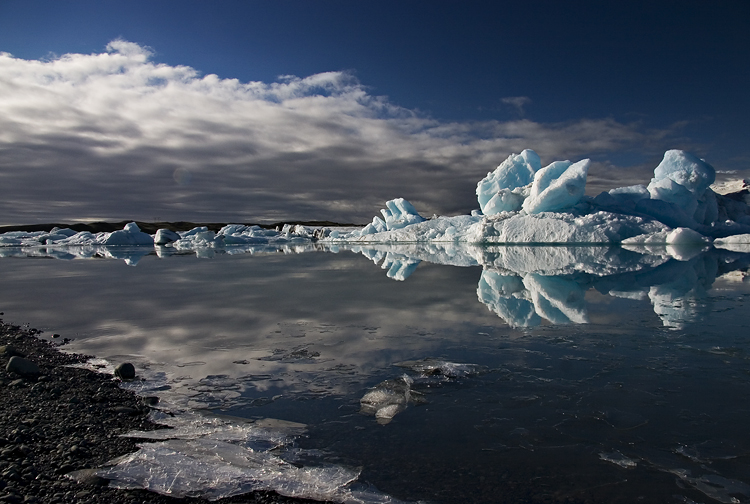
10	351
150	400
125	371
22	366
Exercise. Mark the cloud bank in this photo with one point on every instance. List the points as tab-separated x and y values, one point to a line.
115	136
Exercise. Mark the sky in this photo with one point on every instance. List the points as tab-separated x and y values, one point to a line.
301	110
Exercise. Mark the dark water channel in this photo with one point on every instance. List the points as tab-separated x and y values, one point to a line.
457	384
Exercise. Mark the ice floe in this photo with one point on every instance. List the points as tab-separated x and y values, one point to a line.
212	458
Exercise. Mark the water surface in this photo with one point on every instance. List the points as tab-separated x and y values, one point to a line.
520	374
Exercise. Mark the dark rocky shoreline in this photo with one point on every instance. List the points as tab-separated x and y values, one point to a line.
65	419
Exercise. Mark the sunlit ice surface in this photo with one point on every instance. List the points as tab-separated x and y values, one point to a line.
418	372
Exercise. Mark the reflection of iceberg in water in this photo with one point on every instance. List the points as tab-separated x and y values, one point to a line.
526	285
523	302
506	296
679	301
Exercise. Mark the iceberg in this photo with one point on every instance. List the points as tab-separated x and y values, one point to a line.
520	202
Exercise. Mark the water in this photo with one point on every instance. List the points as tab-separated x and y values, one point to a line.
629	383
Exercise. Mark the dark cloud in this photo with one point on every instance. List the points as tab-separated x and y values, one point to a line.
114	136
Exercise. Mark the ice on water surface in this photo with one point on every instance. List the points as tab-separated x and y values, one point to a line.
213	458
520	203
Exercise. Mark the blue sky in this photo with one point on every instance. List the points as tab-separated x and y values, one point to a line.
389	99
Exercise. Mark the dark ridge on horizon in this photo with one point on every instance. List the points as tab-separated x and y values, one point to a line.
152	227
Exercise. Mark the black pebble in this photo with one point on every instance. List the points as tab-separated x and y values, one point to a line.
125	371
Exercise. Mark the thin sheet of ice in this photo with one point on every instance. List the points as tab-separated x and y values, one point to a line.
214	457
213	469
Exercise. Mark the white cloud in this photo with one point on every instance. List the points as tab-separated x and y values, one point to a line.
517	102
116	136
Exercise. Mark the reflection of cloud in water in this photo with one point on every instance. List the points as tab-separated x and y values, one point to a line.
262	334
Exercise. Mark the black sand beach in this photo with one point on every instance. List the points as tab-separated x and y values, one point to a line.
58	419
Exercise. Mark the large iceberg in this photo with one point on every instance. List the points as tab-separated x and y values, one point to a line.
522	203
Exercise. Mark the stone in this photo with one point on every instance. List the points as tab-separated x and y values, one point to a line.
125	371
10	351
22	366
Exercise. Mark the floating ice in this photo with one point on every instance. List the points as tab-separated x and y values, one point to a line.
214	458
681	243
390	397
387	399
164	236
520	182
521	203
619	459
714	486
131	234
436	367
737	243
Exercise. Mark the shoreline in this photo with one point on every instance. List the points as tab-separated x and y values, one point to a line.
63	419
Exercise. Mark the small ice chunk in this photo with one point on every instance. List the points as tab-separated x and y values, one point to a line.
736	243
684	236
557	187
619	459
679	236
164	236
714	486
437	367
682	243
387	399
131	235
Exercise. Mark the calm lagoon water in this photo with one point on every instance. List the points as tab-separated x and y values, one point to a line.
622	378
